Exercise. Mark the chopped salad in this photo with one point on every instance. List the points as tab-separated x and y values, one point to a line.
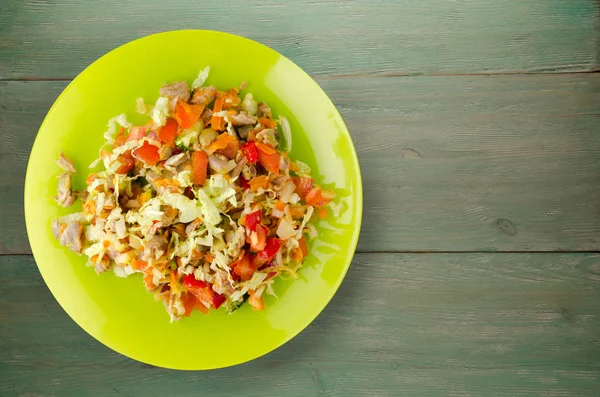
202	200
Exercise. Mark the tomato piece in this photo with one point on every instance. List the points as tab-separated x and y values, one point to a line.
253	219
127	164
317	197
187	114
200	307
303	185
268	157
243	267
268	253
250	151
204	295
258	244
148	153
189	302
191	282
168	133
199	167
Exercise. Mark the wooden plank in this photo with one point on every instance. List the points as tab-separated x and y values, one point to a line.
414	324
345	37
461	163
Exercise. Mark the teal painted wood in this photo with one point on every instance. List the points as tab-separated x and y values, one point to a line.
416	325
465	163
349	37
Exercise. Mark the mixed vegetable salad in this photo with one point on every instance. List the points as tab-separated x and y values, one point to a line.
203	200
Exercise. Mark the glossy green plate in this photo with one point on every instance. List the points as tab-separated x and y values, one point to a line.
119	312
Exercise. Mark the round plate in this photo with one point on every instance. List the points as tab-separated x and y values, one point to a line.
119	312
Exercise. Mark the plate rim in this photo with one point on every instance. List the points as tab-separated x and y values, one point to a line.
358	193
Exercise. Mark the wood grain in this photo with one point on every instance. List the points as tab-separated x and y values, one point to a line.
449	163
415	324
351	37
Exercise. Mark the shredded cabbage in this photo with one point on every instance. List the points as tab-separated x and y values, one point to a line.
201	79
143	213
160	112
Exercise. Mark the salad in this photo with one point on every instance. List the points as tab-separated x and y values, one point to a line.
202	200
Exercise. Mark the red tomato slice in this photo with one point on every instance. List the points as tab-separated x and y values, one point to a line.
243	267
168	133
126	164
148	153
189	302
303	185
318	197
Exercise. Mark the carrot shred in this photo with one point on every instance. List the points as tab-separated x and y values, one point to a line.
218	122
258	182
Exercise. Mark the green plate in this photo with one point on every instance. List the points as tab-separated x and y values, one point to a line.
119	312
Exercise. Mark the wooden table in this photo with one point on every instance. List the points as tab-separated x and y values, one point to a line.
477	125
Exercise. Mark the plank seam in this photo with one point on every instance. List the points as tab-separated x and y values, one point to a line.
358	76
425	252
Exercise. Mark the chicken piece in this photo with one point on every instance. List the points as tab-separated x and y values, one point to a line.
242	119
57	229
102	265
220	164
244	131
203	95
192	226
65	163
65	197
71	236
178	89
267	136
153	247
177	160
264	111
206	115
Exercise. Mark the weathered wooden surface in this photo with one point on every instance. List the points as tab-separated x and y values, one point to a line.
452	160
350	37
467	163
416	324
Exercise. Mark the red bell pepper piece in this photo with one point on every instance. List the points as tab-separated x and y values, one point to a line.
244	183
250	151
253	219
191	282
265	256
168	133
